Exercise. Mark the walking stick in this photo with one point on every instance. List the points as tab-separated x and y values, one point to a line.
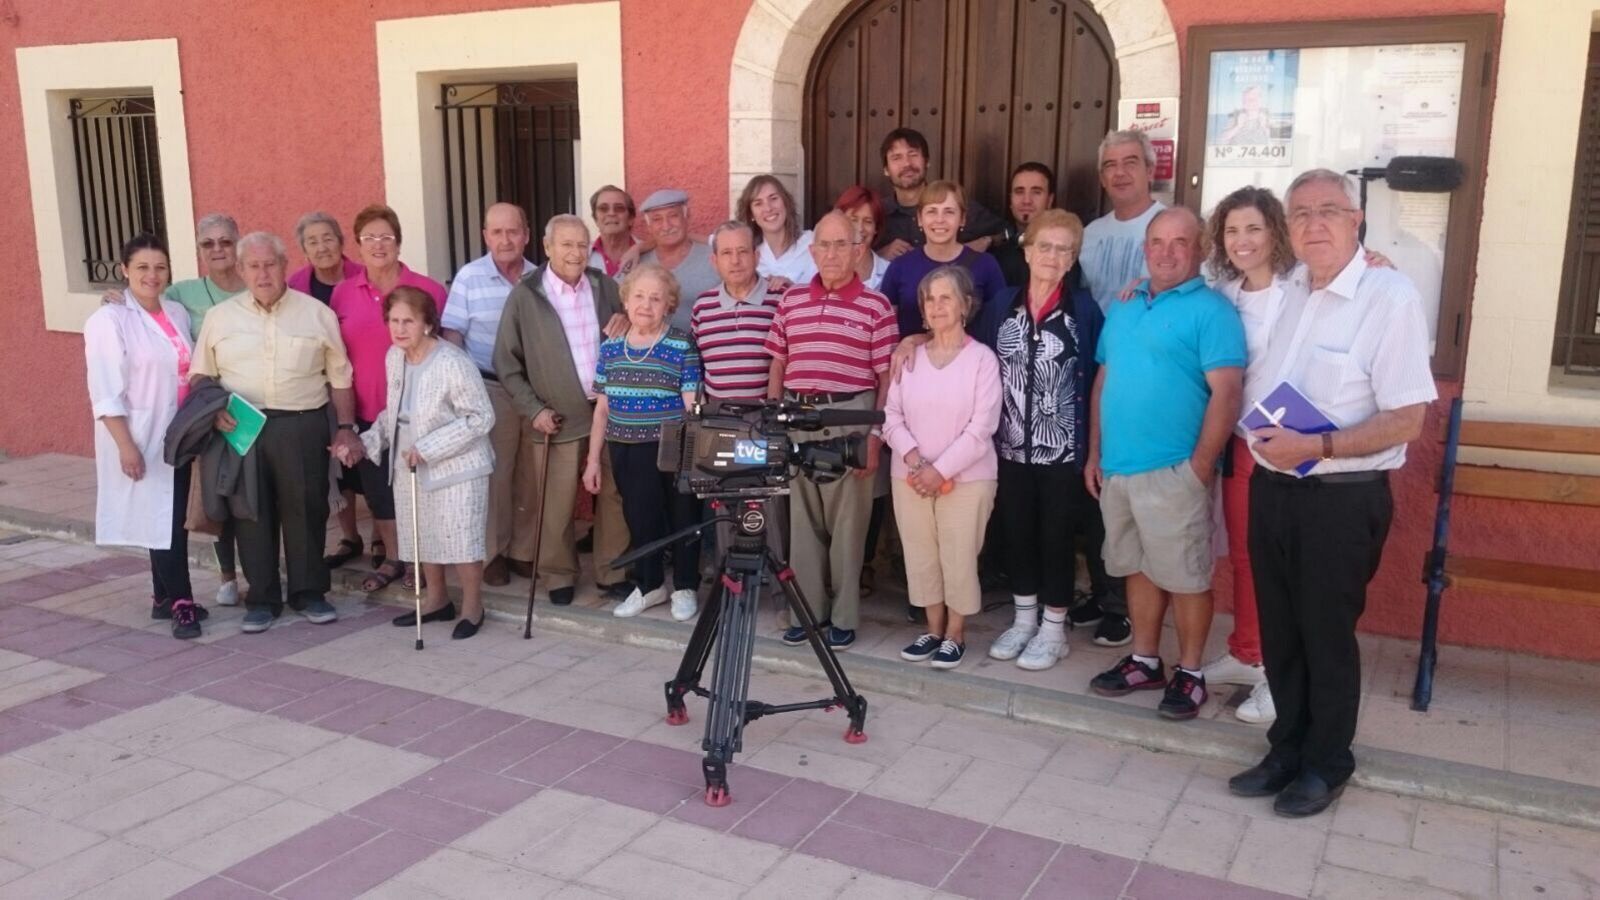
538	535
416	555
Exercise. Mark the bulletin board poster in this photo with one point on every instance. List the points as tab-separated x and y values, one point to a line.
1250	108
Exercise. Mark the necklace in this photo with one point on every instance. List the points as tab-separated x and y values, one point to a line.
647	351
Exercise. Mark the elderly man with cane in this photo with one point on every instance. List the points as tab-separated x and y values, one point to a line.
545	356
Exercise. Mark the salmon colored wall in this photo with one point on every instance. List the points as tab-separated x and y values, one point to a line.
272	135
675	83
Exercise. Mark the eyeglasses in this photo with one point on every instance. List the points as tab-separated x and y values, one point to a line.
611	208
829	247
370	239
214	243
1300	218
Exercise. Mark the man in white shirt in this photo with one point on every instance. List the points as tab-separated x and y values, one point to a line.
1355	343
1113	245
471	319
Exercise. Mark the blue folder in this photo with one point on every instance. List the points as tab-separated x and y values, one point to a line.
1286	407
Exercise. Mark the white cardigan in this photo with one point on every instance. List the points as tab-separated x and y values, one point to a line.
450	419
133	372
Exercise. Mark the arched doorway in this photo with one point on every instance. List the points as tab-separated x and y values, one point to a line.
991	83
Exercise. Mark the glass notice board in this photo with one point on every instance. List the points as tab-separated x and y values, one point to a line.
1260	111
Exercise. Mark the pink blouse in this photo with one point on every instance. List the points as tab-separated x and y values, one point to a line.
179	347
948	415
366	335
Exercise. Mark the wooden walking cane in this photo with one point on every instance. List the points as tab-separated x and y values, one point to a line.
538	535
416	555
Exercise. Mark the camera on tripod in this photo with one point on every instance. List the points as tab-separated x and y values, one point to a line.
744	449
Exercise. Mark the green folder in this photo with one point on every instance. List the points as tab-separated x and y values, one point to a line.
248	421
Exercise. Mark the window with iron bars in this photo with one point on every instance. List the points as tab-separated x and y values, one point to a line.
118	167
513	142
1577	344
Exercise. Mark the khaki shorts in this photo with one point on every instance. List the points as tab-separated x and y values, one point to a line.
1158	524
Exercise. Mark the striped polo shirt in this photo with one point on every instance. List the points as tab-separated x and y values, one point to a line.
732	336
645	387
833	341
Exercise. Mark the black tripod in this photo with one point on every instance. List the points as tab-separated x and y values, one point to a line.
728	622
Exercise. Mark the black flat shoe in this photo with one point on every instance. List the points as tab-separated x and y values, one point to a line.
445	613
562	596
1307	795
1262	780
466	629
349	548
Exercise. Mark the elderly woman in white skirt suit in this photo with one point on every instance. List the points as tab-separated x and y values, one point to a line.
137	354
437	420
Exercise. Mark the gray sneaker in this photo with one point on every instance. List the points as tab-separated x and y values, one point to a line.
257	621
1012	641
319	612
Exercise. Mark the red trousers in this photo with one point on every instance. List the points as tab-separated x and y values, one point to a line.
1245	641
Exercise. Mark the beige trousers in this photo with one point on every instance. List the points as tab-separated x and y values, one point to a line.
941	537
518	473
828	533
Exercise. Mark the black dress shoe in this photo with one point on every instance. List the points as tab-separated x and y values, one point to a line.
1307	795
563	596
1262	780
466	628
519	568
444	613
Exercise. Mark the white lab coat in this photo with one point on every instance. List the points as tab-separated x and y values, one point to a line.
133	372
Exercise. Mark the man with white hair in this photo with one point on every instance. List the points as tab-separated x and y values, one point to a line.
666	218
1353	339
1113	245
280	350
545	355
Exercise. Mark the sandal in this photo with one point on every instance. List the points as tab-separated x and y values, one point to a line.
349	548
383	576
379	554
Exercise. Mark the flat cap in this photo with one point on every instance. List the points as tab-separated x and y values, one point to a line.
663	197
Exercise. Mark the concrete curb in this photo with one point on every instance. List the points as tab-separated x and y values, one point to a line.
1546	799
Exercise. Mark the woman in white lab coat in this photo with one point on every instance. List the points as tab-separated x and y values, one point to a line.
137	353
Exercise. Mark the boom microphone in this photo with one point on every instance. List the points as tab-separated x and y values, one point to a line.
809	418
1418	174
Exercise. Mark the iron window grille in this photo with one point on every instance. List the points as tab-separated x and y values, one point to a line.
118	164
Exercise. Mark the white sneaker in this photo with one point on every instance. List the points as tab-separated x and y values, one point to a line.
684	605
1229	669
1258	708
638	602
1011	641
1042	652
228	593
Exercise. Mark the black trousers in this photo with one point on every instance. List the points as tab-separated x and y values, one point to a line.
1043	509
169	568
1314	546
292	453
227	557
653	509
374	477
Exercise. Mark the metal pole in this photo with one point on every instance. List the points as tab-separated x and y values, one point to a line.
416	554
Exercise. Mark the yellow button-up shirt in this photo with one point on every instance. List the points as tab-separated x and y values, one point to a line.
283	358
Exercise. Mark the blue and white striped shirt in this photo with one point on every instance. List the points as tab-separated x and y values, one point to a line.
477	296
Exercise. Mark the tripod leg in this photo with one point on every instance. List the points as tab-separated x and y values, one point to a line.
693	664
730	685
855	705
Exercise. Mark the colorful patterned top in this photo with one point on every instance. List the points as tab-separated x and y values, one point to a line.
645	387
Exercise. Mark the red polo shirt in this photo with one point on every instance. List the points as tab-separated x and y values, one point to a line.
833	341
366	335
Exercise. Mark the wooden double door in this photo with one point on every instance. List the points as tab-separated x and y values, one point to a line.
990	83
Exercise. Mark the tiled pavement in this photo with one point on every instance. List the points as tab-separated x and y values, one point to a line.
336	761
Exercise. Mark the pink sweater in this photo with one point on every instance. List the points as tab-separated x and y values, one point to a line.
949	415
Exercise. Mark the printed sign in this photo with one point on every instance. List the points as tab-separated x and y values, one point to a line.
1157	118
1250	119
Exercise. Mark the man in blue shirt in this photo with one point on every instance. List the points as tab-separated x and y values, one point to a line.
1165	400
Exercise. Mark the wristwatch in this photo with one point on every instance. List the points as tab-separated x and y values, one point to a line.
1327	445
346	426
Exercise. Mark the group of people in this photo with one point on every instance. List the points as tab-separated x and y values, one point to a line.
1048	388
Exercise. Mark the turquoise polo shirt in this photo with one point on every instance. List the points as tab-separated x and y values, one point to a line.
1155	352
